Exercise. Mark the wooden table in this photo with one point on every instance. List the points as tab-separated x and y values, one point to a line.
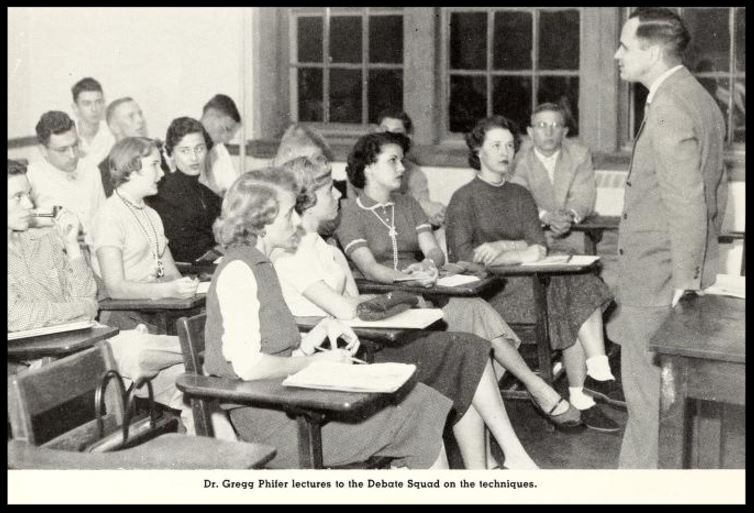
473	289
57	345
702	350
164	311
593	228
540	279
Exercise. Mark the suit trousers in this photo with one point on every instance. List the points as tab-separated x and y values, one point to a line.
632	327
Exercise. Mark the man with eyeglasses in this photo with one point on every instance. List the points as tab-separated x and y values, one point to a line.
221	119
62	177
559	174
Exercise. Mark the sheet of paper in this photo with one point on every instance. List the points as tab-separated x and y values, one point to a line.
218	260
455	280
573	260
376	377
203	287
47	330
728	285
414	318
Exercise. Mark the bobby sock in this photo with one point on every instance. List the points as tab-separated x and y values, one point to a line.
579	399
599	368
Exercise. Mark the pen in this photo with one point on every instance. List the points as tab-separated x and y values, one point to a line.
354	360
569	258
54	213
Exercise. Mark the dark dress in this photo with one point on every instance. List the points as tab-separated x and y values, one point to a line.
479	212
187	209
409	431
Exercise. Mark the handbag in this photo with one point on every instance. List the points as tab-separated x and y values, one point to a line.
135	429
386	305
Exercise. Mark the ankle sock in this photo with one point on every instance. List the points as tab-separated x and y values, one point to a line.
598	368
579	399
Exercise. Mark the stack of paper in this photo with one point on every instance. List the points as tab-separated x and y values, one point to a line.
48	330
728	285
455	280
377	377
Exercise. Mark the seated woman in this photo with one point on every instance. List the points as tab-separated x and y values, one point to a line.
257	338
134	262
187	207
494	222
382	233
316	280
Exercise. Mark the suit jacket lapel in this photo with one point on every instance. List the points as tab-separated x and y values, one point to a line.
539	174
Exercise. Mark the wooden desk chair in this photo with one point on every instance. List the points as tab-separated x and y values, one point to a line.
311	408
58	397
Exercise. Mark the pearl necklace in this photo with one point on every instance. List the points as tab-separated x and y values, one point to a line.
133	208
392	233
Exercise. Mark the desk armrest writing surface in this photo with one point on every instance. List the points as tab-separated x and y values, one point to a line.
380	335
597	223
58	344
709	327
153	305
531	270
466	290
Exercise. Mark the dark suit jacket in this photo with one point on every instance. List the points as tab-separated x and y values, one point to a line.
574	185
675	196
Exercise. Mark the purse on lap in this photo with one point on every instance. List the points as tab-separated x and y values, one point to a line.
386	305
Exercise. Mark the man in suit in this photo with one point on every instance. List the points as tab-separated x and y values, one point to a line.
559	174
675	196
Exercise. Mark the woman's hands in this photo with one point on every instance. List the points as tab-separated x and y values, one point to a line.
183	287
424	272
331	329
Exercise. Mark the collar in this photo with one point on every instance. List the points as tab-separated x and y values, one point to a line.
68	175
658	82
544	158
479	177
367	203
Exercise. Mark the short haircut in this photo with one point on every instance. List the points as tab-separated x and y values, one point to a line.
250	204
53	122
16	168
549	107
224	105
110	112
296	138
367	149
312	174
475	138
181	127
397	114
125	157
85	84
660	25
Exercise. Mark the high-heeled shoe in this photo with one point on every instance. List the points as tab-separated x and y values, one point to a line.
569	420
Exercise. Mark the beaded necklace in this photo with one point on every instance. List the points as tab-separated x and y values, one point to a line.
391	231
156	253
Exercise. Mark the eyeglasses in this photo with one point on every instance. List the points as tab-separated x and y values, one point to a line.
554	125
185	151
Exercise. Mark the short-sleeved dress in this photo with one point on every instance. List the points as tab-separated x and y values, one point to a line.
366	223
409	430
480	212
450	362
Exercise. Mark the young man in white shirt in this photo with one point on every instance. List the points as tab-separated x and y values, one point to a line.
222	121
89	109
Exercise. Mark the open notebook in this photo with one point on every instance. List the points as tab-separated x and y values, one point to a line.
48	330
377	377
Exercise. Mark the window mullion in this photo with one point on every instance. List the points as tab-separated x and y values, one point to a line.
365	66
534	59
731	71
326	67
488	74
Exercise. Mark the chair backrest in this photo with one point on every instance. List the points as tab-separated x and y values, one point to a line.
46	401
191	337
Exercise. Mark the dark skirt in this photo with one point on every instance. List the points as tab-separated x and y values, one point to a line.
450	362
571	299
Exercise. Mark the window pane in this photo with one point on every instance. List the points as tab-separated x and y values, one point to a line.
386	39
512	41
640	94
385	91
511	97
345	38
741	39
309	39
709	49
310	94
559	34
739	112
345	96
468	40
468	102
563	91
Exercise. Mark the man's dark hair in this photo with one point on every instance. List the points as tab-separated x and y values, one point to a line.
52	122
16	168
224	105
85	84
397	114
181	127
660	25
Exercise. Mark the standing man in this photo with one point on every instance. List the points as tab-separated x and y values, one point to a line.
62	177
559	174
222	121
675	197
89	108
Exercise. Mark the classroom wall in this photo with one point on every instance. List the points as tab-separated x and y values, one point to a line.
170	60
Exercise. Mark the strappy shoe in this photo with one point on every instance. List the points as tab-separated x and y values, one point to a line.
569	420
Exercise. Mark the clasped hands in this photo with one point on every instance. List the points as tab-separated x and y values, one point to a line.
560	221
330	329
424	272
